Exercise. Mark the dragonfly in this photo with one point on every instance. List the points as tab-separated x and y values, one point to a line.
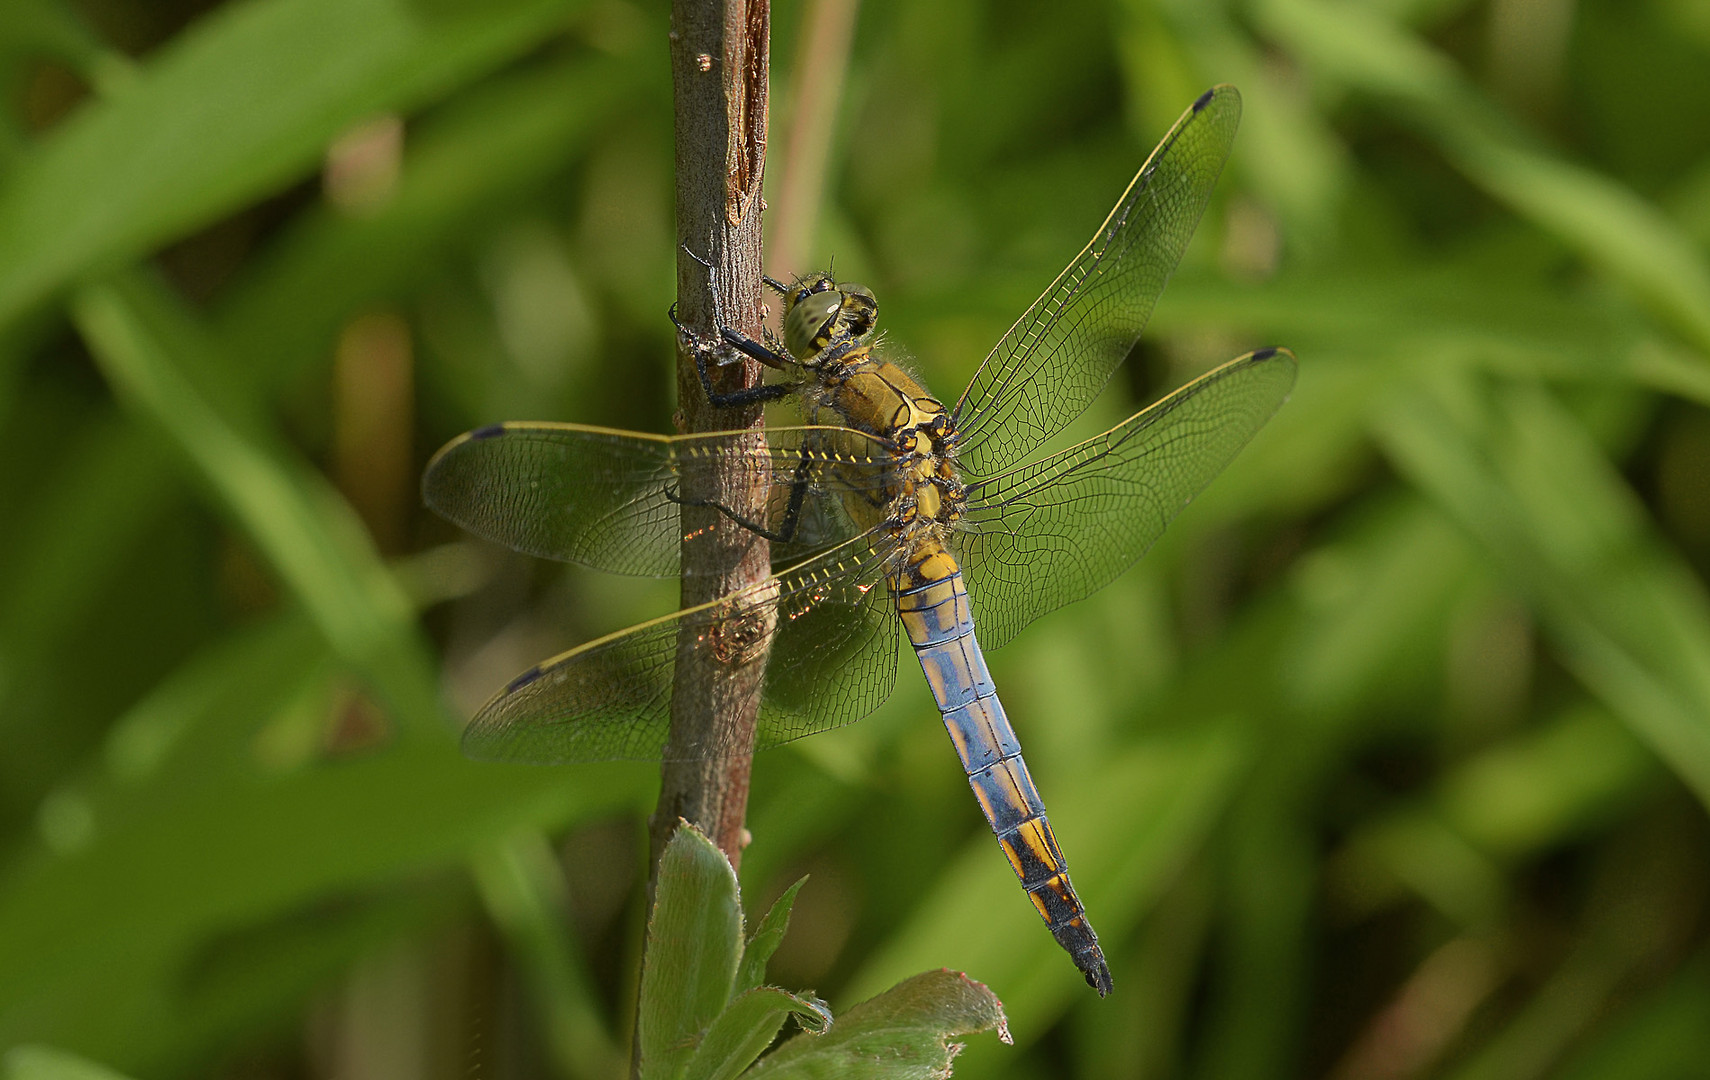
886	509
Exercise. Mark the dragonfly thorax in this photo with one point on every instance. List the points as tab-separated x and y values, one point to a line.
919	495
828	327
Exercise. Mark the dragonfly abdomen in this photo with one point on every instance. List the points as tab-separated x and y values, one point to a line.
934	610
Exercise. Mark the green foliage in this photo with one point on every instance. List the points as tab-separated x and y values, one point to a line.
705	1014
1403	727
44	1063
693	949
233	109
902	1034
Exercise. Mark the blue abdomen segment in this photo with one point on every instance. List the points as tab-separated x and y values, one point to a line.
940	626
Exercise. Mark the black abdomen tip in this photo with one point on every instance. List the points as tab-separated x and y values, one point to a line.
1203	100
1097	972
1078	939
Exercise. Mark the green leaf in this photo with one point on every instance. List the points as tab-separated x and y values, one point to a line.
694	944
903	1034
46	1063
767	937
235	108
748	1026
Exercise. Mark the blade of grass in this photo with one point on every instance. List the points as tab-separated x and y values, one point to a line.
47	1063
202	835
152	353
476	158
111	483
523	889
1534	489
236	107
1606	222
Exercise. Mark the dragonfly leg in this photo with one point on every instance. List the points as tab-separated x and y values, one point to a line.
744	344
774	358
786	530
735	399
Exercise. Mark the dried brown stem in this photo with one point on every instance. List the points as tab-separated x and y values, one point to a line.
719	72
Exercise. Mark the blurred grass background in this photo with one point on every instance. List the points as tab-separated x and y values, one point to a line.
1391	761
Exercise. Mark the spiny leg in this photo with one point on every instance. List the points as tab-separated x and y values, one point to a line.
786	530
766	352
735	399
762	352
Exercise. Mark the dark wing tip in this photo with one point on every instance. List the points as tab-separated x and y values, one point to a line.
1203	100
524	679
491	431
1273	355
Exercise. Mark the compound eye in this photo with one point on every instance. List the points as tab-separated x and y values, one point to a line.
806	325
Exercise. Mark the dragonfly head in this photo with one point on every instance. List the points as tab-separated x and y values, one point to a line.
820	311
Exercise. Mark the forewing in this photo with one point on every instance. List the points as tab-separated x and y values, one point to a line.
832	661
1063	349
1058	529
603	498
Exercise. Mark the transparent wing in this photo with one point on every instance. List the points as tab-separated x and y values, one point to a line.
1063	349
1052	532
602	498
833	636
